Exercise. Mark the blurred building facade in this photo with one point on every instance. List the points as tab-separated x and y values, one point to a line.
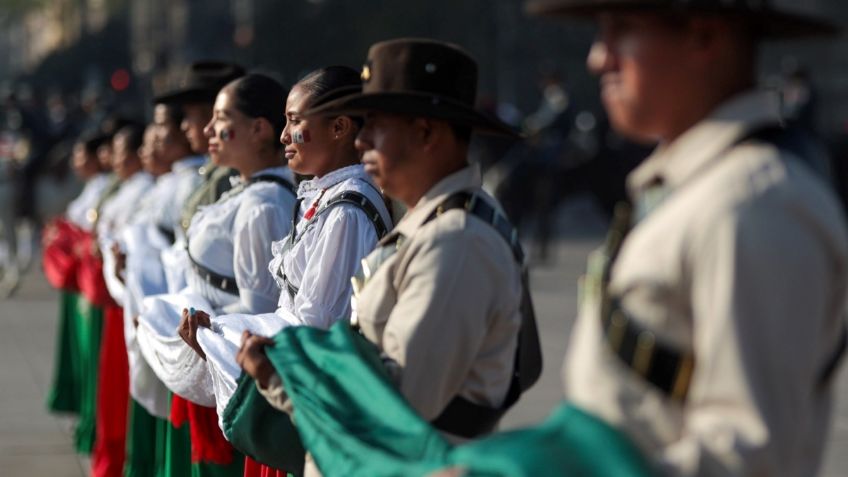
77	44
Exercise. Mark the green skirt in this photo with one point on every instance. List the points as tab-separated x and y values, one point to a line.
143	443
175	450
87	328
65	391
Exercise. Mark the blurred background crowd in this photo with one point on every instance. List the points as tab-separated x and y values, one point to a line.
68	66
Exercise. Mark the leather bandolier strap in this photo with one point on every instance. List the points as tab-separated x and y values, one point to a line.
462	417
665	367
223	282
353	198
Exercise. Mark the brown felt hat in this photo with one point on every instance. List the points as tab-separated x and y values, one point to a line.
417	77
202	82
769	21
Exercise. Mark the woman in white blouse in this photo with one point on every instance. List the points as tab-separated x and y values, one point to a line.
314	264
340	216
228	241
230	237
340	213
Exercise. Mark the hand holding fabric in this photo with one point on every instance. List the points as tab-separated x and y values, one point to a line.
252	358
188	328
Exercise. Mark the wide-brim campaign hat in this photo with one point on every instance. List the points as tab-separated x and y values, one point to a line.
417	77
202	82
768	20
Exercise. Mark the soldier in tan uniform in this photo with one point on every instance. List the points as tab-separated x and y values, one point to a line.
441	294
712	322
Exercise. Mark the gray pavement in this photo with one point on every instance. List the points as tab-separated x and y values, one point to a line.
34	443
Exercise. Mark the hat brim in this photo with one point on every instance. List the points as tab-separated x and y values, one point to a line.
415	104
186	96
770	23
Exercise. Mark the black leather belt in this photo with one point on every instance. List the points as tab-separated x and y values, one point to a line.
221	282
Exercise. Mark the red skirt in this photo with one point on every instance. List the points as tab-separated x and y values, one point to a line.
113	398
255	469
208	443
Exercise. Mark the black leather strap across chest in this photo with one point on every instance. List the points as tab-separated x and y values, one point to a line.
462	417
223	282
356	199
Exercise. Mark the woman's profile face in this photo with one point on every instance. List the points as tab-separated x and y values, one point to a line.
228	132
85	164
307	139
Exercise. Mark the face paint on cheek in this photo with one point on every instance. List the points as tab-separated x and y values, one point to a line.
301	137
227	134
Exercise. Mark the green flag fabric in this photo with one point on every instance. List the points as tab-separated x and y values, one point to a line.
355	423
261	432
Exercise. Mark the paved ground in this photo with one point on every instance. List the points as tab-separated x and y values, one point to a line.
34	444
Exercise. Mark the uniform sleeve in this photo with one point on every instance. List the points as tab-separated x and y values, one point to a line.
323	297
763	326
440	320
255	227
276	394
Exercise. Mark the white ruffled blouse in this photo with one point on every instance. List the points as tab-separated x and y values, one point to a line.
78	209
232	238
328	249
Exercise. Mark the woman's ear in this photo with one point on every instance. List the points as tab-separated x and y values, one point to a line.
342	126
262	128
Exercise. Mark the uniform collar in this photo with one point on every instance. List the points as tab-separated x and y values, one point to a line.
280	171
332	178
464	179
190	162
138	178
674	163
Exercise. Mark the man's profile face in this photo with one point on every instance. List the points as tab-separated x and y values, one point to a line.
384	143
640	61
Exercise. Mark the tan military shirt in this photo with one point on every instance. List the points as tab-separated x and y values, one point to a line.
445	306
743	264
216	181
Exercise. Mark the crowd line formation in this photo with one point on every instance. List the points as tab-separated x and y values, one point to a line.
266	281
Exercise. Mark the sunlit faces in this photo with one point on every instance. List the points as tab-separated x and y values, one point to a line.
85	164
227	132
104	155
170	143
147	153
384	142
195	117
640	61
125	161
306	139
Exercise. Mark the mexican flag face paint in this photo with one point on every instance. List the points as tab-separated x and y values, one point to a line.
227	134
300	137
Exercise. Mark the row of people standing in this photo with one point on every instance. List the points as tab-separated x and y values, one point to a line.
676	365
214	256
